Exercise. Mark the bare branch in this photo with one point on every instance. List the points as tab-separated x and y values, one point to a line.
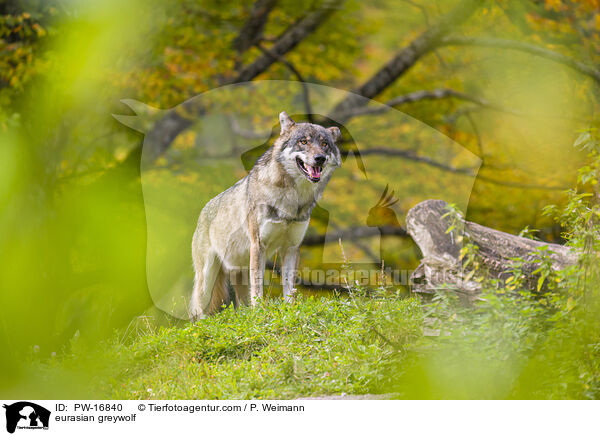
408	56
405	154
253	28
465	171
295	72
535	50
164	131
436	94
287	41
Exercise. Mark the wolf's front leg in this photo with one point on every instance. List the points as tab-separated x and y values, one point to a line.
288	273
257	270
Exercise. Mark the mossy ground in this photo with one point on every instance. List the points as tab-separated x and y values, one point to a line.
315	346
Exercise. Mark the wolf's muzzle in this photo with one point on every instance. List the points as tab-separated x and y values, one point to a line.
312	173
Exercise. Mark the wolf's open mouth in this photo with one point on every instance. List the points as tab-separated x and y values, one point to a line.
312	173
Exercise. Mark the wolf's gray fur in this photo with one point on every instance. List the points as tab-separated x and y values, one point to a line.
266	211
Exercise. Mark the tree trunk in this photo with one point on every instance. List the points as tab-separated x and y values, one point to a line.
441	267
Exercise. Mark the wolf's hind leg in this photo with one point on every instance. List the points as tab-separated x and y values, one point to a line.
240	284
207	270
220	295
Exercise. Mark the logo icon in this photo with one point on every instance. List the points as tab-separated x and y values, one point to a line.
191	152
26	415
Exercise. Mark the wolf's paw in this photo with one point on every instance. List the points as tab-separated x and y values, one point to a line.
291	296
196	315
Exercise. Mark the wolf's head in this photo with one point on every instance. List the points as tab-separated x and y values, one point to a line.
308	151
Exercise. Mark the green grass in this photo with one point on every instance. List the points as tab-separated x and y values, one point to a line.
315	346
509	345
505	347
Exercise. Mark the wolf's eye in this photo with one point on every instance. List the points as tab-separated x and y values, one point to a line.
303	141
324	144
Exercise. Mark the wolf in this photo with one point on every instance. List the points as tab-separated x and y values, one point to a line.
265	212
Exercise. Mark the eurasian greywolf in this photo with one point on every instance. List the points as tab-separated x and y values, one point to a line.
266	211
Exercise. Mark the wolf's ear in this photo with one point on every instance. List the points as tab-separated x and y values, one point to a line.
335	132
286	122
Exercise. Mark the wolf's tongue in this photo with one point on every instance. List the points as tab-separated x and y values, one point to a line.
314	171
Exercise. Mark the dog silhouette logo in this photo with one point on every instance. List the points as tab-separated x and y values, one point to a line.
192	152
26	415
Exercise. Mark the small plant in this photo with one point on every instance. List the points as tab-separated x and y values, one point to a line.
471	262
535	331
581	217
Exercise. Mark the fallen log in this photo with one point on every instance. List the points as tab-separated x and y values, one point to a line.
441	267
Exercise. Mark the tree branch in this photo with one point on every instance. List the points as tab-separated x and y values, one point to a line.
535	50
252	30
436	94
408	56
405	154
465	171
165	130
287	41
295	72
